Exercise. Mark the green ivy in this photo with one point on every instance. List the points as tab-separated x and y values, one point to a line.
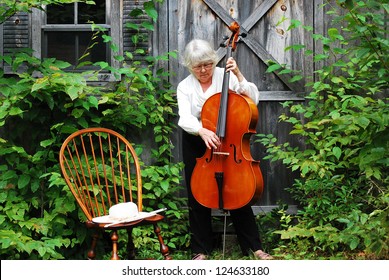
343	188
40	106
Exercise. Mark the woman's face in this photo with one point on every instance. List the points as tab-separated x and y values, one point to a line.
203	72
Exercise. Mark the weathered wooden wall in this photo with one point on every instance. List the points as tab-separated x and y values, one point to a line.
14	34
267	24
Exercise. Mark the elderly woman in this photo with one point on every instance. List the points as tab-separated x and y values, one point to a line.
206	79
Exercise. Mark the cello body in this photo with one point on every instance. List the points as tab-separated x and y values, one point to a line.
228	178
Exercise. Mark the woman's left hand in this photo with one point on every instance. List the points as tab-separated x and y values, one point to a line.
232	66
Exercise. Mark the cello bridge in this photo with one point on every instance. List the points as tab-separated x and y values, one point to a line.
221	153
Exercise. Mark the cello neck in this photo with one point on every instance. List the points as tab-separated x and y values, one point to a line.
222	117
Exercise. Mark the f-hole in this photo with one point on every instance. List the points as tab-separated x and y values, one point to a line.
238	161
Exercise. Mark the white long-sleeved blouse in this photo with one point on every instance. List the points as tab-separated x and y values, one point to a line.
191	98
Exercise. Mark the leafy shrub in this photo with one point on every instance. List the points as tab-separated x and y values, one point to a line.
39	107
343	187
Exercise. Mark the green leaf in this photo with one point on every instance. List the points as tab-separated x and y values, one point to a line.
320	57
333	33
363	122
354	242
42	250
295	47
336	80
294	24
148	25
296	78
23	181
172	205
132	26
337	152
136	12
73	92
8	175
14	111
93	101
103	100
40	83
150	10
343	220
165	185
77	113
35	186
46	143
273	68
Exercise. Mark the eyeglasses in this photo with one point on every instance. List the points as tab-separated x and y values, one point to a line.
206	66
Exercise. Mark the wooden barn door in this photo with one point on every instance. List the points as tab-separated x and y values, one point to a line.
266	24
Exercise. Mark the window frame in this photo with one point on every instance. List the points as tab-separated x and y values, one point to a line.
114	19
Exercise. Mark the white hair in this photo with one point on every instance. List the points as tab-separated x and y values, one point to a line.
198	51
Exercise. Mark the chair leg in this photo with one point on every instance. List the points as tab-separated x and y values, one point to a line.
92	253
114	238
163	248
130	246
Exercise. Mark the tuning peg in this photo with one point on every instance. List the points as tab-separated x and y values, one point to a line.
223	44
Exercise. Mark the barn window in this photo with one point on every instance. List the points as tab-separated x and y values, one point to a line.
67	32
64	31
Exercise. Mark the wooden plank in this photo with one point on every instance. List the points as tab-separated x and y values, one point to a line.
15	32
173	44
258	13
250	41
127	33
261	52
116	16
36	23
280	96
220	12
318	16
298	60
161	35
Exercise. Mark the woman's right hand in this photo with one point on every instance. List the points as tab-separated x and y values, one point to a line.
209	137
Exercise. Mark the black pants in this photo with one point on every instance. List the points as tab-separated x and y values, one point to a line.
200	219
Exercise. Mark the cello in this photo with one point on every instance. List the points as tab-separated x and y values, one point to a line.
228	177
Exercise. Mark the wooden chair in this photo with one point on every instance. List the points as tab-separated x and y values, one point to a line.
102	169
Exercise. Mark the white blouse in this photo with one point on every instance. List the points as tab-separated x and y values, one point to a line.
191	98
